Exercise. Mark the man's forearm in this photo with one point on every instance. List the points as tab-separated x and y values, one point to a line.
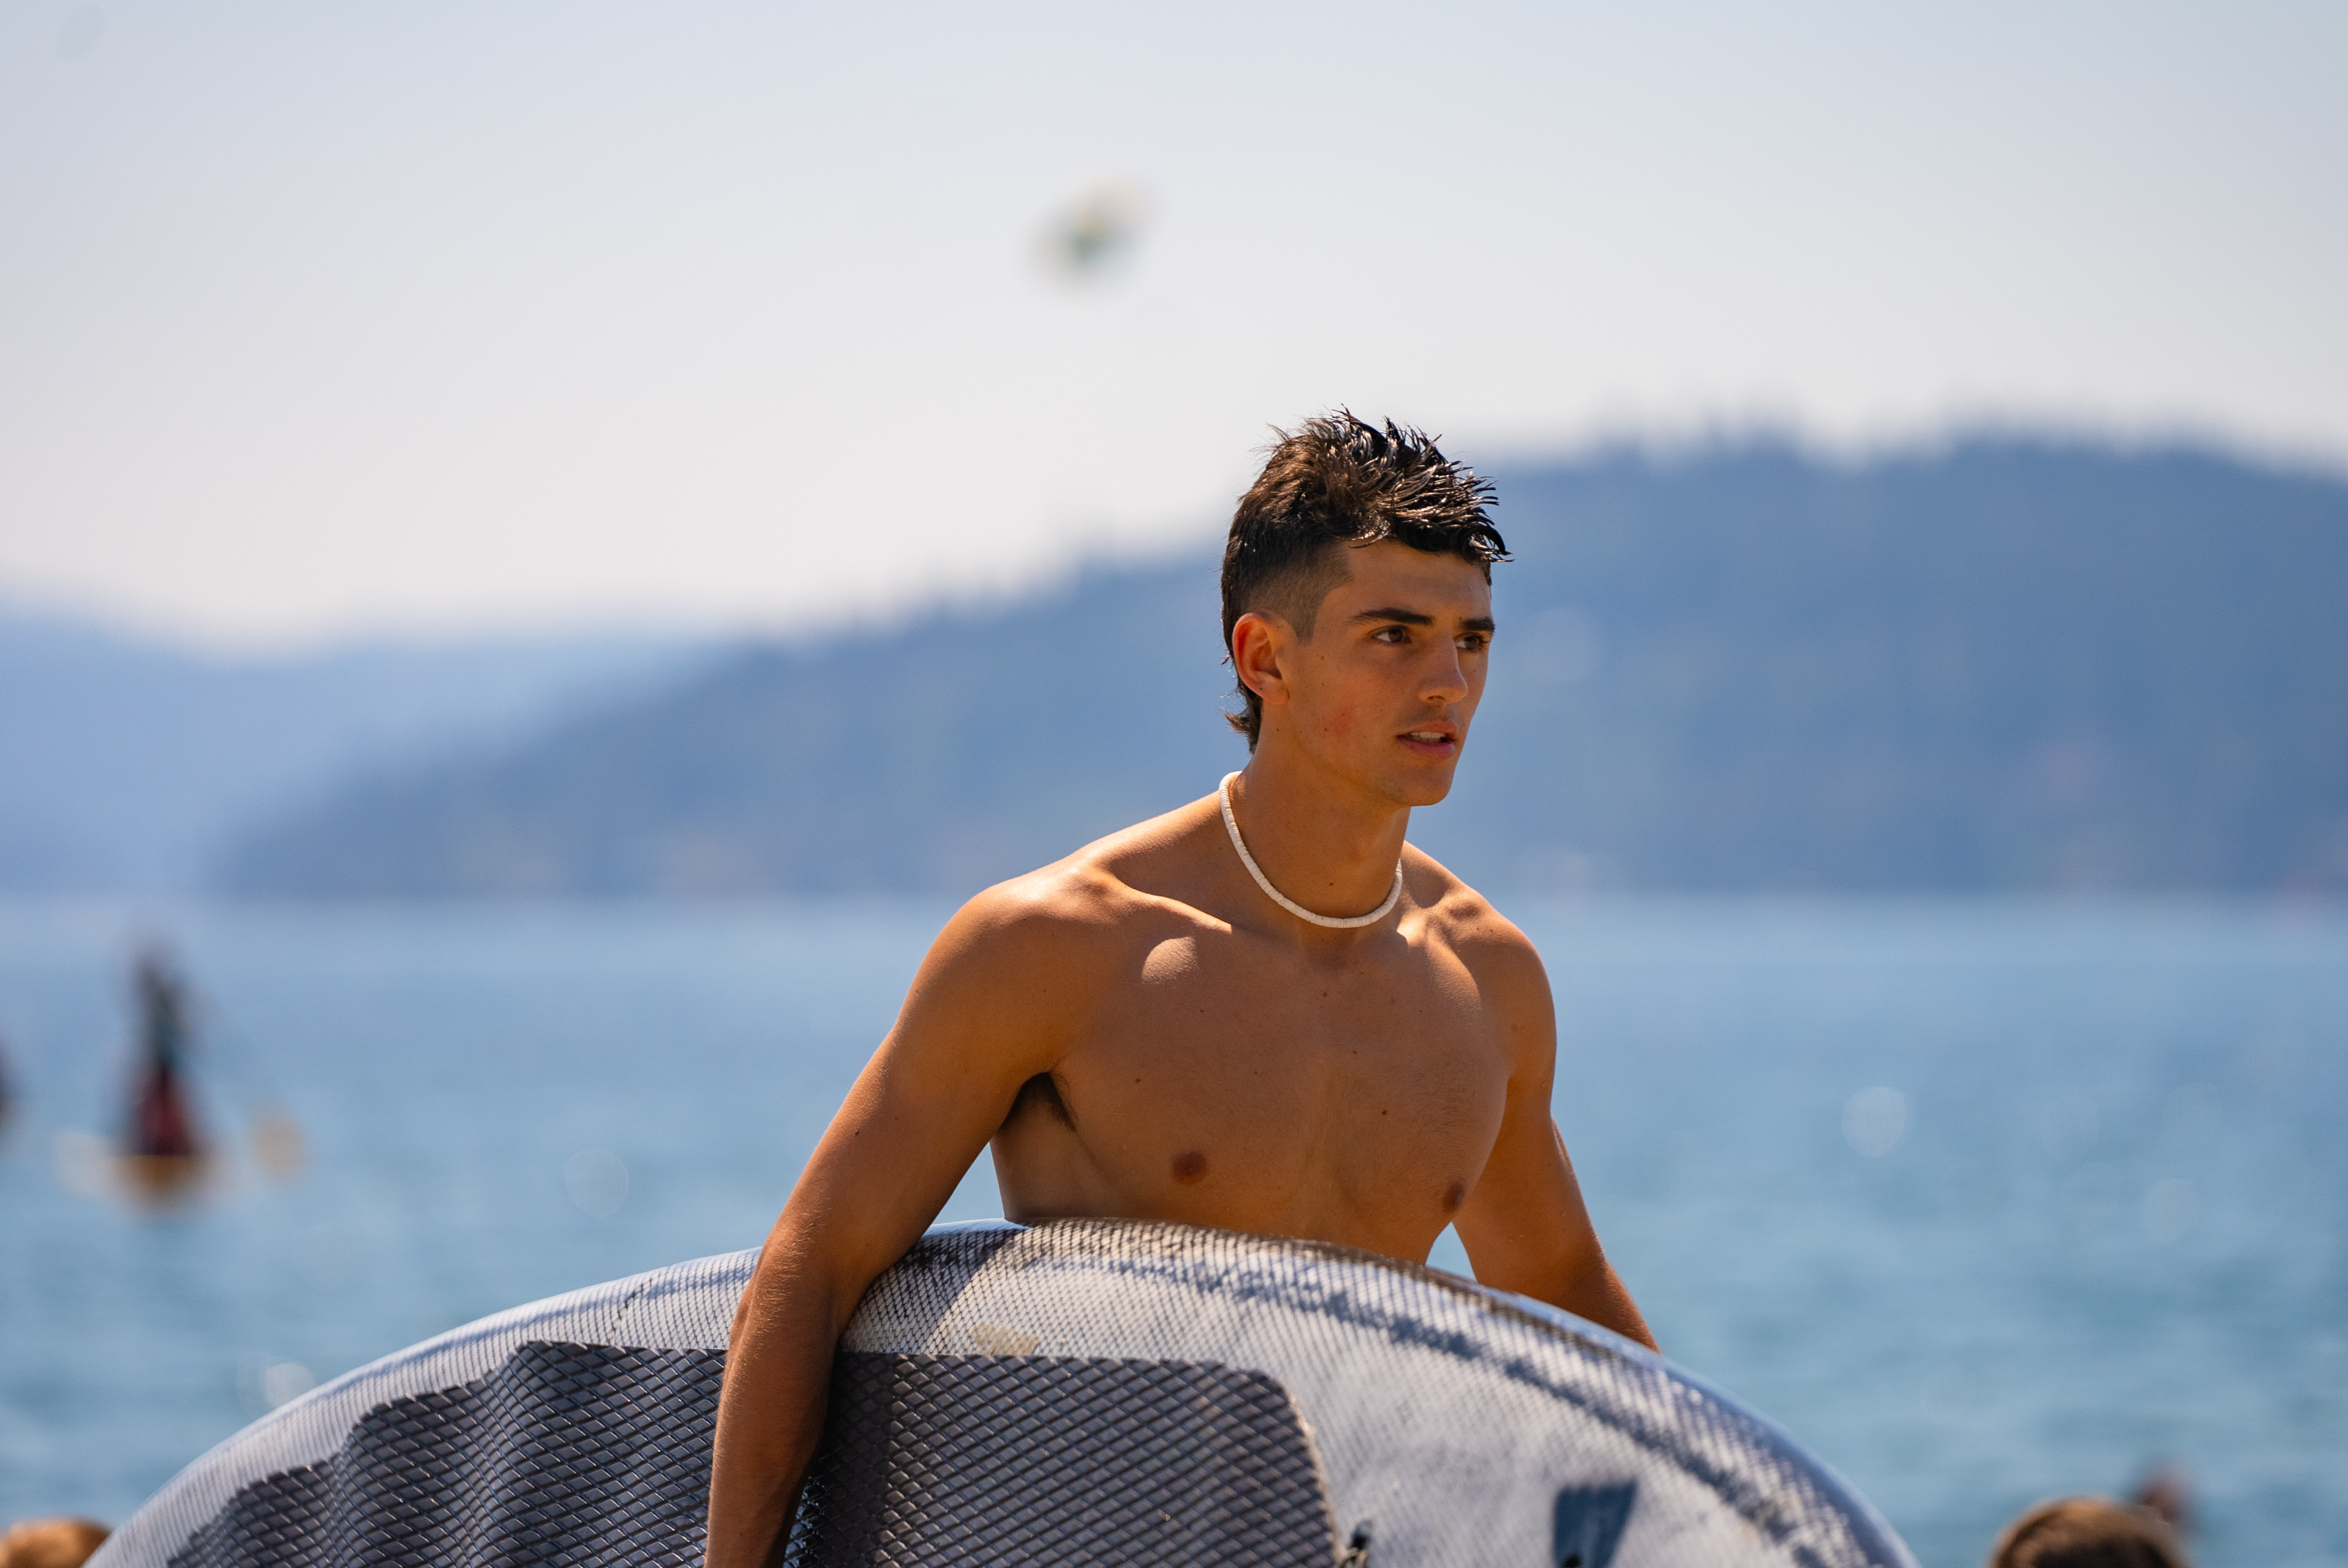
770	1411
1598	1294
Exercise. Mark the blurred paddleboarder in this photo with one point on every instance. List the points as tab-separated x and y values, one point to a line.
163	1150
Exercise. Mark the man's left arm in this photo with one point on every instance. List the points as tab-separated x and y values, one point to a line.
1525	1224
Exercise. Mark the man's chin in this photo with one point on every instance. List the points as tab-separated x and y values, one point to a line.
1422	782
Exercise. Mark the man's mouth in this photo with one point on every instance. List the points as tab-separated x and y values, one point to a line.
1430	737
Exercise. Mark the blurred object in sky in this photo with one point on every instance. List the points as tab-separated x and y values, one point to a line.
1094	238
537	354
163	1152
8	1102
51	1542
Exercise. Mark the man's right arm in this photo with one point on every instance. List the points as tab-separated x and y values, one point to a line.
993	1004
1524	1224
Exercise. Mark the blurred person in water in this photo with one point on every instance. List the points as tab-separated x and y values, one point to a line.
161	1127
51	1542
163	1157
2088	1533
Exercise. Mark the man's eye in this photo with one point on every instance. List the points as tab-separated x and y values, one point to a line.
1390	634
1476	641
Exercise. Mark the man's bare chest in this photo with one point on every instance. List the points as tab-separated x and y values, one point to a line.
1258	1058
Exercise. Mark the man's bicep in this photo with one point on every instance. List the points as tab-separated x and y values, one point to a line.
891	1157
1524	1223
973	1029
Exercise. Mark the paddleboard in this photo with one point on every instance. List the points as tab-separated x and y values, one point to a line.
1084	1391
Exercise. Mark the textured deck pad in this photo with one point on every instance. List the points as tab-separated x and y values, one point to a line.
1032	1459
1089	1391
568	1453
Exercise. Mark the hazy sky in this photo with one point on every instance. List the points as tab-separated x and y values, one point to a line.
325	318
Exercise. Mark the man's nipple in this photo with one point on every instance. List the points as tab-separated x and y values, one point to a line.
1190	1167
1453	1196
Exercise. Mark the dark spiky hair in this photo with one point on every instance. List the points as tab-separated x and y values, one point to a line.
1338	481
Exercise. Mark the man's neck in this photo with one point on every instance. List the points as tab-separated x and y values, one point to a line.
1323	840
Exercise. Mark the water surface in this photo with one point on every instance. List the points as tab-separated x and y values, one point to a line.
1984	1201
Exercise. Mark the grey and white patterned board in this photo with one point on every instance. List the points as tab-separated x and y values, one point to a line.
1082	1392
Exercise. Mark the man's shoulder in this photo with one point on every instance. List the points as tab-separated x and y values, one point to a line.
1507	966
1465	920
1095	895
1036	945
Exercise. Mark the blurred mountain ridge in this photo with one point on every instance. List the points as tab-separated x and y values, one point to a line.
2000	665
126	761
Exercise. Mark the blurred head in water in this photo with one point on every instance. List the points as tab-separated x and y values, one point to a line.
2087	1533
50	1542
1338	482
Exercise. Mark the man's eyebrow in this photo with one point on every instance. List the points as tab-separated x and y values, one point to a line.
1419	618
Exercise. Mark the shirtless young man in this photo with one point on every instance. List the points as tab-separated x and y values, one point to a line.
1139	1032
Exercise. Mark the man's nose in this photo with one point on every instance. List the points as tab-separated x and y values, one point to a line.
1445	681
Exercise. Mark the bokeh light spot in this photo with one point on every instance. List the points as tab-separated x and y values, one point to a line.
597	1180
1875	1120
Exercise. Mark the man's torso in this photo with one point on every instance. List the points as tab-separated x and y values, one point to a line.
1252	1075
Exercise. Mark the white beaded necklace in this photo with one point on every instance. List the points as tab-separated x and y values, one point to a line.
1335	922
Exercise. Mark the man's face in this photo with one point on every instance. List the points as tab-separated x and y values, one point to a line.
1383	692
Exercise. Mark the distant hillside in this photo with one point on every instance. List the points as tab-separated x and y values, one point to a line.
129	762
2003	665
940	755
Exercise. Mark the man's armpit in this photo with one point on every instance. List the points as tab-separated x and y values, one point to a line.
1041	1095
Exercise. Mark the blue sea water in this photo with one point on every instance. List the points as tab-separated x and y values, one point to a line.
1985	1202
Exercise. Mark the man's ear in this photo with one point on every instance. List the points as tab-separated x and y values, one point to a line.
1260	645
